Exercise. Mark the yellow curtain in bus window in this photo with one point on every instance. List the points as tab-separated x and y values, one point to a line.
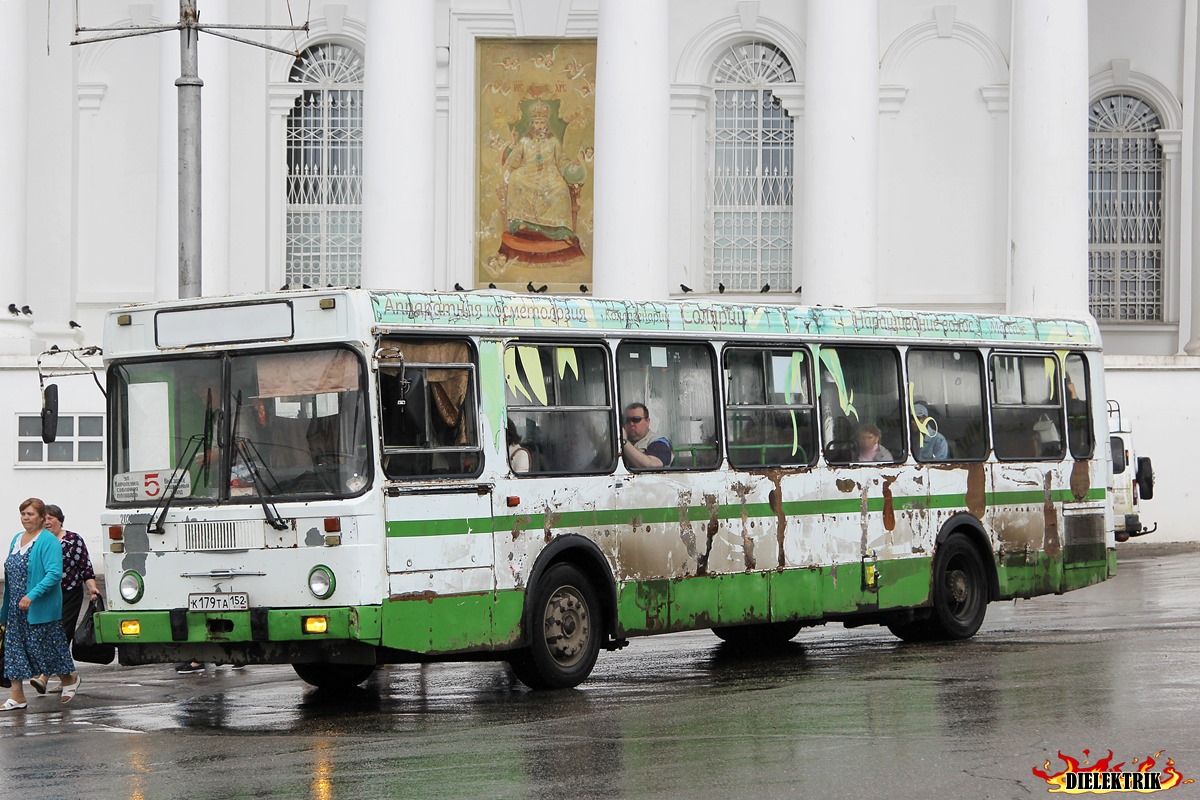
291	374
534	152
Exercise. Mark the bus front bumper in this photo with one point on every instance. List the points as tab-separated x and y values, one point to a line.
258	636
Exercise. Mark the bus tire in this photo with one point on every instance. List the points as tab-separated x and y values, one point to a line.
760	635
566	625
960	596
334	677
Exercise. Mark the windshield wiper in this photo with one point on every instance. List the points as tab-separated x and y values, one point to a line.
244	447
177	474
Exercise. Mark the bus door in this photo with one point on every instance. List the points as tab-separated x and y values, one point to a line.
438	511
1030	479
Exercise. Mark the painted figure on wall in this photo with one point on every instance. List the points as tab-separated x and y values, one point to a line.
541	190
535	145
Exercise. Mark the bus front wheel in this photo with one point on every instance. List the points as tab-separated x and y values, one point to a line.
960	596
565	630
334	677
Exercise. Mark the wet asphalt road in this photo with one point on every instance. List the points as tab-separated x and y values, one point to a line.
838	713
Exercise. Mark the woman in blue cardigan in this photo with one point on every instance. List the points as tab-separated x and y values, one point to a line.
32	611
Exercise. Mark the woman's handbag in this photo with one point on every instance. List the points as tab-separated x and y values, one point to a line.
5	683
84	646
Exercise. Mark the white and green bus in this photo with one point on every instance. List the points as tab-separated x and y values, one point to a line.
339	479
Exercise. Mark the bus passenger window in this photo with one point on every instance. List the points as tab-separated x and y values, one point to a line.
1080	437
1026	408
427	392
674	382
770	419
559	408
944	406
859	395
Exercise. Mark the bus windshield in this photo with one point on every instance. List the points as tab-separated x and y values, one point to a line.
239	428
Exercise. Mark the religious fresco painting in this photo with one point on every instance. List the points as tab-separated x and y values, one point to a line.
537	125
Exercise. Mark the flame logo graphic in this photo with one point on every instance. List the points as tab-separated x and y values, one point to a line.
1104	777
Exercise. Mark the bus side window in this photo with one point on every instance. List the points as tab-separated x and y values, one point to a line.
947	386
769	415
676	383
860	387
1026	408
427	391
1079	417
559	403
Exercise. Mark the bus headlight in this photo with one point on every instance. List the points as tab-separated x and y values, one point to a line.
321	582
131	587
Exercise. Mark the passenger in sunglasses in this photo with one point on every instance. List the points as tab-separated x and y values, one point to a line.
641	448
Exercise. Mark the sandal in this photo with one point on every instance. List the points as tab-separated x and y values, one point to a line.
39	683
12	705
69	689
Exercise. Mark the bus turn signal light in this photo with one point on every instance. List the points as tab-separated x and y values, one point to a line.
130	627
316	624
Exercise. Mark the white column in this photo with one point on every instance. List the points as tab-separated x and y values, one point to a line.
633	118
399	115
14	151
1049	238
214	133
1192	348
166	223
281	101
841	153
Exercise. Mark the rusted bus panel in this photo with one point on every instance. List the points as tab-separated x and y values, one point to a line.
643	607
704	601
768	520
440	624
1029	575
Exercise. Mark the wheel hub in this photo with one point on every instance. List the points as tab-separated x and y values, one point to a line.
568	630
957	586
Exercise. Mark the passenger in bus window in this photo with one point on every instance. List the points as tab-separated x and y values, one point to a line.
642	448
931	444
518	456
869	448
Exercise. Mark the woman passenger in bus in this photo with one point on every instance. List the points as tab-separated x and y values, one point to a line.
641	448
518	456
869	448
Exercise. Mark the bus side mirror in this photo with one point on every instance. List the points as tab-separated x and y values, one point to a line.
49	413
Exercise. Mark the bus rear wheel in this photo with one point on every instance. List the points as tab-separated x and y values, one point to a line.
565	630
334	677
759	635
960	596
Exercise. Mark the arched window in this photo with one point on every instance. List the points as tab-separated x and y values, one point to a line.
748	239
324	163
1125	182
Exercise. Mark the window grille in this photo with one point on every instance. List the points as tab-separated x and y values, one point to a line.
79	440
324	163
1125	179
751	146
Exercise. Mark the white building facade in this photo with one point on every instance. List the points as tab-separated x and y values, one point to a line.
991	155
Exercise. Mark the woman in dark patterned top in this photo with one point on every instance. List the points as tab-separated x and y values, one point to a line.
78	575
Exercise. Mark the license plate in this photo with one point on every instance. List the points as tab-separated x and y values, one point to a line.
219	601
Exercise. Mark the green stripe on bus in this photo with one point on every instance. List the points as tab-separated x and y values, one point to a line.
656	516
